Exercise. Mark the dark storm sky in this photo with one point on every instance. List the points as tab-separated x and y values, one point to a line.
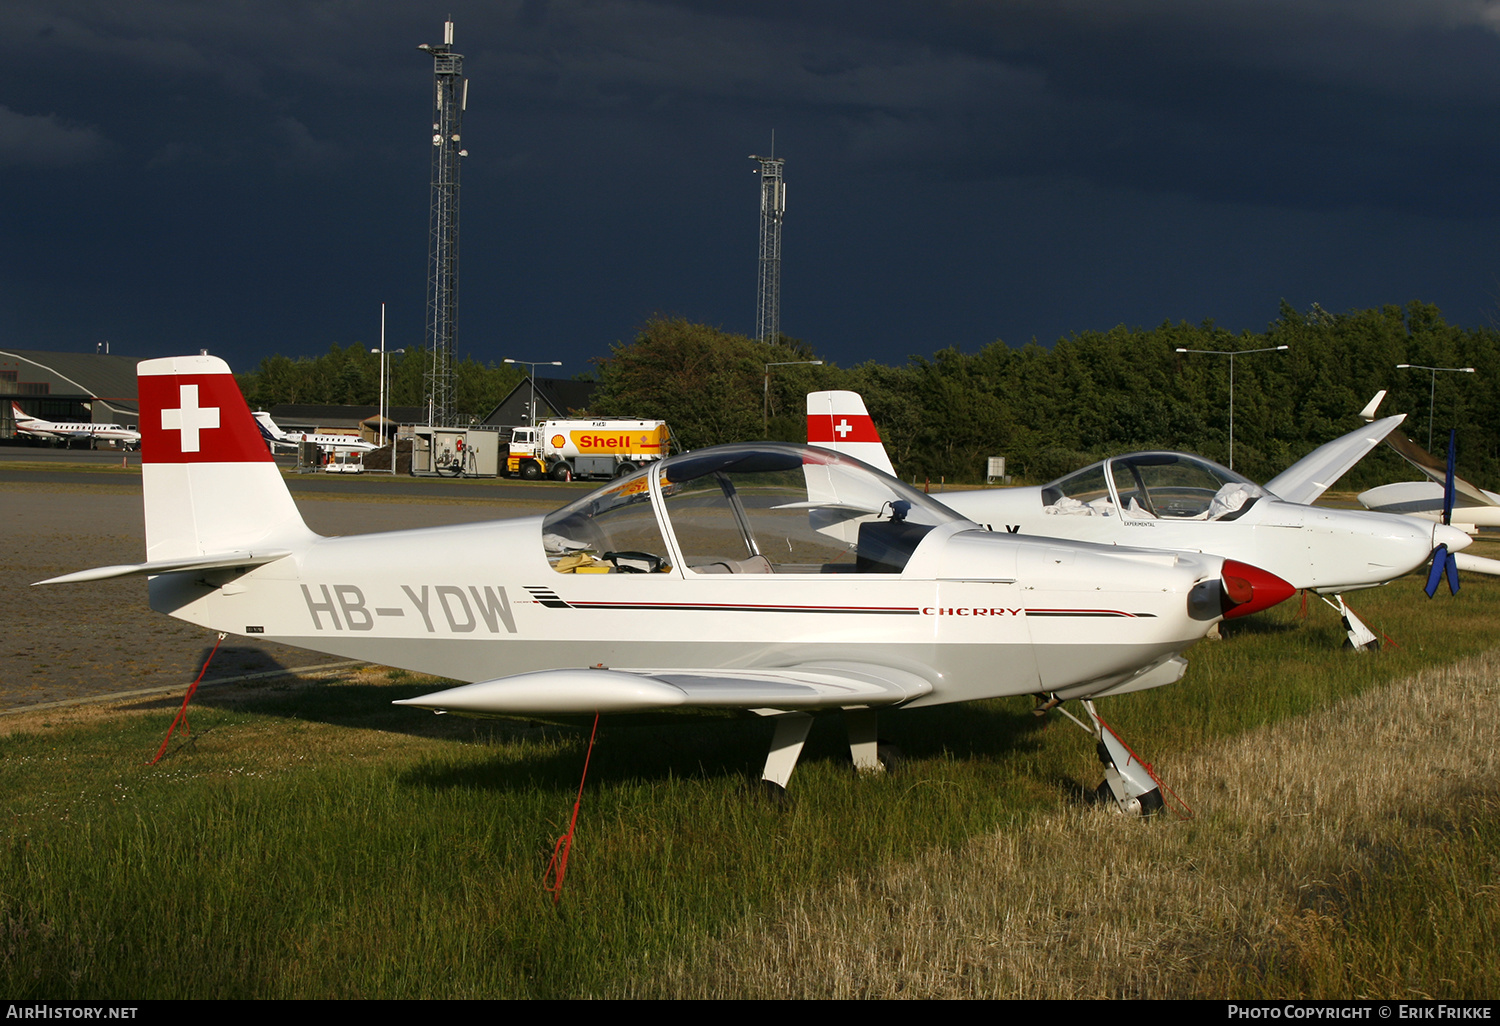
252	177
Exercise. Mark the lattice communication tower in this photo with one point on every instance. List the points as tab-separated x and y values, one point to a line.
452	92
772	212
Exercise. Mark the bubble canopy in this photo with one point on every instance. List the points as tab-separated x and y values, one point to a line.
1162	485
750	508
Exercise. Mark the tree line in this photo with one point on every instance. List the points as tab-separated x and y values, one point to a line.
350	376
1048	410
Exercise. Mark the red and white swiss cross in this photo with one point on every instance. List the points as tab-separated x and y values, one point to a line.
838	428
192	412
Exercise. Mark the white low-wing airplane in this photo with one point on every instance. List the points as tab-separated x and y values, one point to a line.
69	430
1173	500
274	436
779	579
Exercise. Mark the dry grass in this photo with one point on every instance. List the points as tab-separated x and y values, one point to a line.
1351	853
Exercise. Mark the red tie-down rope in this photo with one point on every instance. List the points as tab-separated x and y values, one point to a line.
182	713
1186	811
557	868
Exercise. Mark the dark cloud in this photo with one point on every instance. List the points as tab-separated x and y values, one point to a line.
46	141
254	174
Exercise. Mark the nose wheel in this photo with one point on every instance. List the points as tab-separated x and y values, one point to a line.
1361	638
1128	782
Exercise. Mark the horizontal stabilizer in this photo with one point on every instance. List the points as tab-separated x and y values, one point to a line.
810	686
215	561
1316	472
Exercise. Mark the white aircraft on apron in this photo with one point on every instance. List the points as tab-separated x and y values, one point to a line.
779	579
69	430
1177	501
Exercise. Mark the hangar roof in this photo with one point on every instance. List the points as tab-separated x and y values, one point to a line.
110	379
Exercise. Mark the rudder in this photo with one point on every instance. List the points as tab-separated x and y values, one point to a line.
838	420
209	481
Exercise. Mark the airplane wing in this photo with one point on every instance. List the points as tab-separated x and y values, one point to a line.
1316	472
1435	469
216	561
1425	498
1477	564
773	690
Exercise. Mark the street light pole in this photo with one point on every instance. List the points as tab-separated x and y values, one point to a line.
533	364
1432	391
381	406
383	386
1232	353
765	403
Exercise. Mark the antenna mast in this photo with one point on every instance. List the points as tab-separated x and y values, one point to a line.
452	94
772	212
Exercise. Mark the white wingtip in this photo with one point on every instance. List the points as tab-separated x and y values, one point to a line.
1368	413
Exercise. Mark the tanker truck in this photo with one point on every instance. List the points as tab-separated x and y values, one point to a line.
560	449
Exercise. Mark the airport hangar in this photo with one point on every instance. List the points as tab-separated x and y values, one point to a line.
88	387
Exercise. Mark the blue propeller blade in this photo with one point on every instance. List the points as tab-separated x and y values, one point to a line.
1443	561
1439	560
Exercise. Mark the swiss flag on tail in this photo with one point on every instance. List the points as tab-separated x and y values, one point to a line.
838	420
192	412
831	429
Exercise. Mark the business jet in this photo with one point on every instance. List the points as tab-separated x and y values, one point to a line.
274	436
779	579
1177	501
70	430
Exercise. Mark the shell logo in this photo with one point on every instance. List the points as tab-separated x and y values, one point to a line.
558	441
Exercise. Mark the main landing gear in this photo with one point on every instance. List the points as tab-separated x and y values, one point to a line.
1127	781
791	732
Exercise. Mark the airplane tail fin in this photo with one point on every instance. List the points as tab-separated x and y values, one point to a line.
210	484
269	429
20	415
838	421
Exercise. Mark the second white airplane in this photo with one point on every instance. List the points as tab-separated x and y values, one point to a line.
1177	501
72	430
275	436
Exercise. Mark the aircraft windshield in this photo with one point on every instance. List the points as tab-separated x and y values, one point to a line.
618	518
1165	485
750	509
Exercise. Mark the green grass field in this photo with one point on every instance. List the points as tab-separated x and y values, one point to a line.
314	841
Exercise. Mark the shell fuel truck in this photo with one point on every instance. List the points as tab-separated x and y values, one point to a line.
585	448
